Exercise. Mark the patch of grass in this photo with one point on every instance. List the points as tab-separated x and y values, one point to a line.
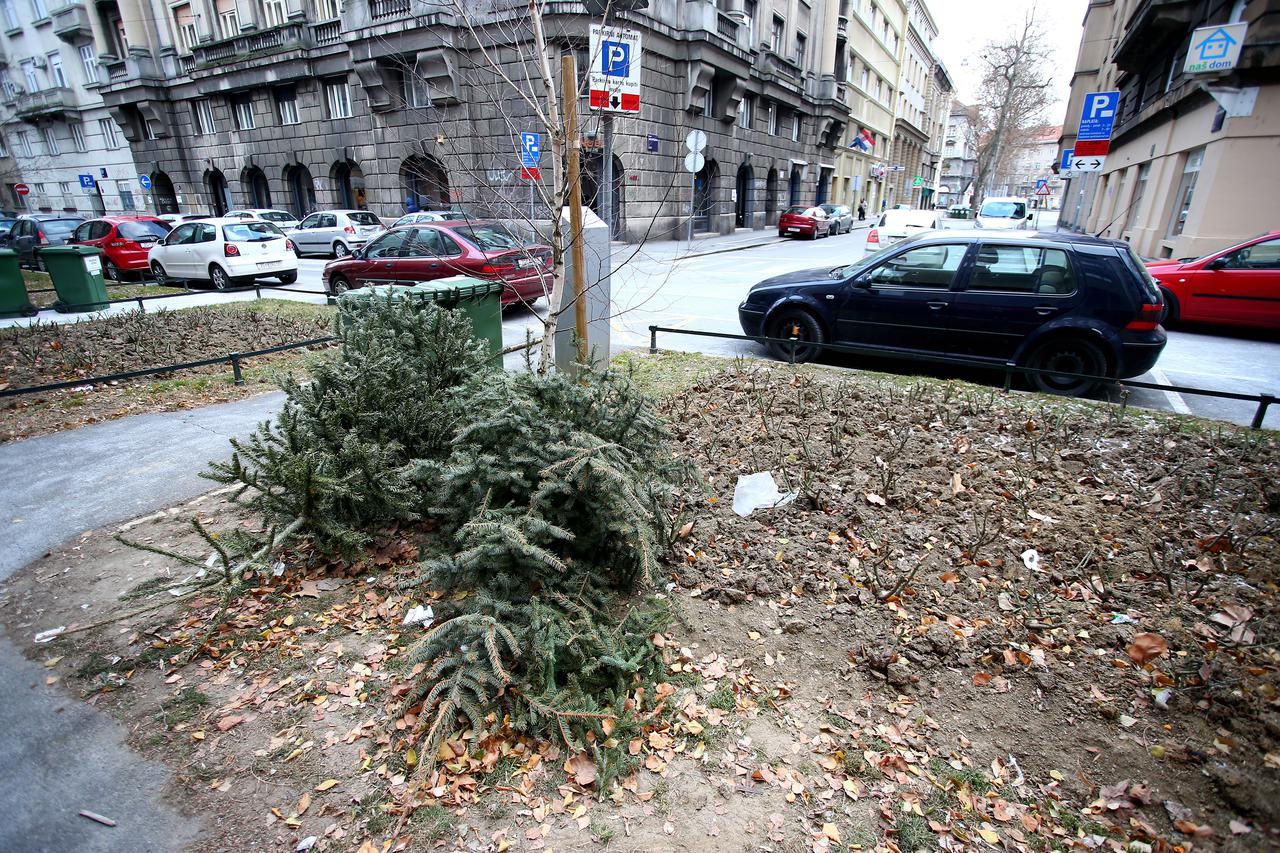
97	664
667	373
855	765
434	821
602	834
974	780
914	833
723	697
150	586
182	707
370	810
283	307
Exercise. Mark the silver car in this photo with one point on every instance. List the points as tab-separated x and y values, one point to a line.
335	232
841	216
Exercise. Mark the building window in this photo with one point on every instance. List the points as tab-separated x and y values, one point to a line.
24	142
149	129
77	136
749	9
126	195
30	74
185	23
773	118
746	112
337	99
324	10
274	13
229	22
6	84
4	149
110	137
287	106
1139	190
51	141
795	127
802	47
56	72
38	10
416	93
11	21
776	33
1186	191
244	113
203	110
90	61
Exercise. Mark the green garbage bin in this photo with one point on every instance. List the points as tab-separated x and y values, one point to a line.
14	301
479	300
77	276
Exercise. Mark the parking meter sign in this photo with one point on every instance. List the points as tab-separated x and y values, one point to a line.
613	73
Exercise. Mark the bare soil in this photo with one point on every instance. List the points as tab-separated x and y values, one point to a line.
984	621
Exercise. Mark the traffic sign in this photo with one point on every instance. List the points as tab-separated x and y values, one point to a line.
21	189
1065	164
614	73
694	161
1092	147
1087	164
1041	183
1042	188
696	140
530	173
917	181
1097	116
1215	48
897	168
530	150
144	181
87	182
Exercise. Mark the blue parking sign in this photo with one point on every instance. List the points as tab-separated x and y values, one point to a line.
615	59
1098	115
530	150
87	182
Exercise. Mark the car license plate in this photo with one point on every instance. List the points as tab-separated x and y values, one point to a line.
793	229
267	264
524	263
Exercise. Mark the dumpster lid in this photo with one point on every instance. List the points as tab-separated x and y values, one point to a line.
456	288
69	250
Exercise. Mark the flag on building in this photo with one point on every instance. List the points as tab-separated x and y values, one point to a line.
864	141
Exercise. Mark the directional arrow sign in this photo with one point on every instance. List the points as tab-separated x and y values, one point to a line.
1087	164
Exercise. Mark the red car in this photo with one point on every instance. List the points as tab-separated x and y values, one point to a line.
1239	286
124	241
801	221
429	250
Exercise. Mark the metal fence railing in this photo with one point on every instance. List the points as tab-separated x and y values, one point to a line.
69	308
1010	369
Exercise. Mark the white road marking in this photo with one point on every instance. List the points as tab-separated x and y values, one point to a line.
1175	399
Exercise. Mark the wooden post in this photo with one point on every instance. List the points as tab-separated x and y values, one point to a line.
569	86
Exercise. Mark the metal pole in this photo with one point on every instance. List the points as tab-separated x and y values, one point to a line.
693	201
235	368
653	340
569	86
1258	416
606	172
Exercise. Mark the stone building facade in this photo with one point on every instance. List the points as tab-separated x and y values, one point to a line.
924	90
388	104
959	155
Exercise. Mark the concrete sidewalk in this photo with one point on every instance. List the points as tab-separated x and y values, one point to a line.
704	244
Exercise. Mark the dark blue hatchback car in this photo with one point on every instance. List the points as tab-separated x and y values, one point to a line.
1050	301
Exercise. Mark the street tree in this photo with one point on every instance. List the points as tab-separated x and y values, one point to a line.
1012	99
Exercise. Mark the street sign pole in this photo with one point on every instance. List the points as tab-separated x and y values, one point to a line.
606	172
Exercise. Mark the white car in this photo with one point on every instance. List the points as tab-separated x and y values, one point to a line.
894	225
282	219
335	232
224	252
1004	213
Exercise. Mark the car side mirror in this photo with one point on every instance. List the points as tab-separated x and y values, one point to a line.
1216	264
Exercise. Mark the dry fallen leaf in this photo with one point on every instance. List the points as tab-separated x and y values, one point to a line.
581	768
873	498
304	803
327	784
1146	646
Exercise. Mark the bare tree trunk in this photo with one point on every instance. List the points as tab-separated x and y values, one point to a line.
556	131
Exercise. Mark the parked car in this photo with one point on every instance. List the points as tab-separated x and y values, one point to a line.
335	232
6	224
841	216
894	225
282	219
175	218
38	230
430	250
1239	286
433	216
225	253
801	221
125	242
1050	301
1003	212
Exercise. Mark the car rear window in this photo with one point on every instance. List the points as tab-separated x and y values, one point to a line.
60	227
490	238
798	210
362	217
1150	289
276	216
1003	209
145	230
251	232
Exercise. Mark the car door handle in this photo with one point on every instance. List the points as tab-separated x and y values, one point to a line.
936	305
831	296
1043	310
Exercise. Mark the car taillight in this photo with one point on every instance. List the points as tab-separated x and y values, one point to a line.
44	241
874	236
1148	318
288	244
498	265
230	250
349	229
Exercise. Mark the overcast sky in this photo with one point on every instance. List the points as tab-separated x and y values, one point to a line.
964	26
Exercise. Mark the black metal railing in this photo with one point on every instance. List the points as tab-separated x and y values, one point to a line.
1010	369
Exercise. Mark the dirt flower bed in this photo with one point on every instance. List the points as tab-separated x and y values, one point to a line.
47	353
982	622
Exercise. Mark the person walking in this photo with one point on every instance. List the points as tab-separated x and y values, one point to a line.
862	210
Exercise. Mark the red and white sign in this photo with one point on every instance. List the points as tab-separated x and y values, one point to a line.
613	72
1091	148
528	173
21	189
1044	190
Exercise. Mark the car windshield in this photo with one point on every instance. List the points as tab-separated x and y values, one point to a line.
363	217
864	262
830	208
6	224
490	237
276	216
145	230
60	227
1002	209
251	232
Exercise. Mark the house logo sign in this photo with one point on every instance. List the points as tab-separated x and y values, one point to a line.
1215	49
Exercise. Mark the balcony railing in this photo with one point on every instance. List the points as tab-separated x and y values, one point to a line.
71	23
842	23
327	32
287	37
727	27
379	9
45	102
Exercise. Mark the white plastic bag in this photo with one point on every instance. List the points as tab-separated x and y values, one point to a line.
758	491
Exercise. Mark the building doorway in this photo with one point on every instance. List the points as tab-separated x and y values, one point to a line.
743	206
162	194
793	186
704	201
348	185
425	184
259	189
219	193
302	189
771	196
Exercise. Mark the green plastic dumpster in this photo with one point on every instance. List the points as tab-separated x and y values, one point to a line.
77	276
479	300
14	301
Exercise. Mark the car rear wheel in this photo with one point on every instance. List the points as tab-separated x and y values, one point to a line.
110	271
813	235
804	327
158	273
1169	314
338	285
340	250
219	277
1070	355
288	278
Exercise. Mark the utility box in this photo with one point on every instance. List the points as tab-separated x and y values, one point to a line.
597	251
77	277
478	299
14	301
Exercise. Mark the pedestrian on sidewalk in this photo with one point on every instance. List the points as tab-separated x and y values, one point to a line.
862	210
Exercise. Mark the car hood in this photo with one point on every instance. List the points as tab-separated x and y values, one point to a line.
816	274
